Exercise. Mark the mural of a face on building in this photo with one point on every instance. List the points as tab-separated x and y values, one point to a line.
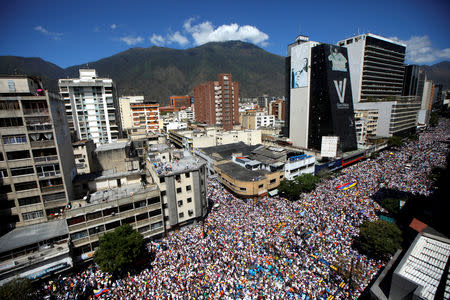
337	59
299	66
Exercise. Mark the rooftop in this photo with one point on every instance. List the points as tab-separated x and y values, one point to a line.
28	235
226	151
120	192
112	146
104	175
240	173
425	264
180	165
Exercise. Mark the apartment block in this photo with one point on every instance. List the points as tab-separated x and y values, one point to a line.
36	157
366	125
145	115
277	108
253	119
217	102
181	179
180	101
91	107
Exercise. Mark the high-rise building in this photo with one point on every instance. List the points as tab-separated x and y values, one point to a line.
377	72
125	110
277	108
411	80
319	95
376	66
217	102
36	158
145	115
180	101
91	104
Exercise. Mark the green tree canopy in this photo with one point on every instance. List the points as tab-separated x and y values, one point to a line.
434	119
17	289
395	141
119	249
379	238
392	205
304	183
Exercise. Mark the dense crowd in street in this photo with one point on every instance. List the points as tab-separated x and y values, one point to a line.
271	247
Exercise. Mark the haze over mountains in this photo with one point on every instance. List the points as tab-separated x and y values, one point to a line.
158	72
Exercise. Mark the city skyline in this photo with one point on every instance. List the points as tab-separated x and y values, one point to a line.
69	34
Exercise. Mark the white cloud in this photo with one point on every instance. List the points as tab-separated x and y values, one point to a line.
113	26
177	37
54	35
131	40
205	32
419	50
157	40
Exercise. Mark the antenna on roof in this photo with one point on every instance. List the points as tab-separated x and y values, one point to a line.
358	30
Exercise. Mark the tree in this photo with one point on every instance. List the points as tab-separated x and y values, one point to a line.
392	205
307	182
304	183
395	141
379	238
16	289
119	250
324	174
434	119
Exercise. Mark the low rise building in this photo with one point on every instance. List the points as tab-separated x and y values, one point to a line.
182	181
82	151
366	125
211	136
35	251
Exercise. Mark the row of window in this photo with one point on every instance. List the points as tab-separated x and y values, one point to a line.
114	210
42	171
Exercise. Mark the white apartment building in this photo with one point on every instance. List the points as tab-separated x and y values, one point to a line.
366	125
181	179
264	120
91	103
125	110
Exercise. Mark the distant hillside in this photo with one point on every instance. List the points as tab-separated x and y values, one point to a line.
161	72
439	73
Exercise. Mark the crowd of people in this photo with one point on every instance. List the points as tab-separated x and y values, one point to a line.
271	247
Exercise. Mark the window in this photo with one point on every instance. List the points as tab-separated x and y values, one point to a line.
190	212
163	193
139	204
178	178
75	220
272	181
187	175
3	173
29	200
281	176
110	211
162	179
178	190
22	186
260	186
157	225
33	215
10	122
125	207
143	229
18	155
94	215
153	200
22	171
181	215
79	235
180	203
96	229
128	220
243	189
154	213
189	200
142	217
112	225
14	139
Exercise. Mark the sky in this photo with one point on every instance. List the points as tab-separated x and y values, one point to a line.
69	33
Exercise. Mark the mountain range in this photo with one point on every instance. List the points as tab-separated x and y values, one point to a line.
158	72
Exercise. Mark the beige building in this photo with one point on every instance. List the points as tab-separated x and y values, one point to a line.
182	181
212	136
120	156
36	158
366	125
82	151
253	119
106	208
125	110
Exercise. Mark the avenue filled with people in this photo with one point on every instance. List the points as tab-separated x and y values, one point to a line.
271	247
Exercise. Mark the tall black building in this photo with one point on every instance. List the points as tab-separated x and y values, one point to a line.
411	81
331	102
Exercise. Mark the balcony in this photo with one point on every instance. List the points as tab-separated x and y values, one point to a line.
52	188
49	173
39	127
44	143
46	159
35	111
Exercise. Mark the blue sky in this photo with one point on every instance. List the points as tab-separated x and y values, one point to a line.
68	33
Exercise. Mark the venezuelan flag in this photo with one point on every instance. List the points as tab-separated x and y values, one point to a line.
98	293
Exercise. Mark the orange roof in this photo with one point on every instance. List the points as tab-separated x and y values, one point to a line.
418	225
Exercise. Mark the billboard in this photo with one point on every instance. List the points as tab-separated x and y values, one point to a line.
329	146
300	66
